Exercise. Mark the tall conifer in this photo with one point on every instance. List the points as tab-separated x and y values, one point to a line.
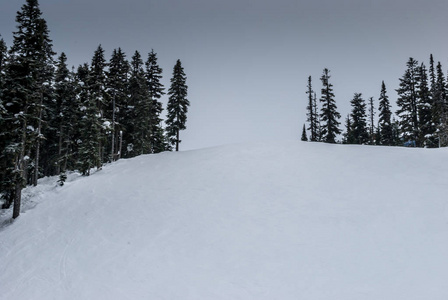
358	132
407	102
329	115
177	105
385	115
312	117
156	91
90	123
371	115
28	77
427	131
140	109
117	87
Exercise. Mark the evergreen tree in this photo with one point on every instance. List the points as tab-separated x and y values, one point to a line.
67	116
139	131
177	105
28	77
348	136
97	86
156	90
440	109
358	131
396	134
385	114
90	123
316	114
312	117
52	145
432	74
427	136
372	133
5	183
407	102
3	57
329	114
304	137
117	86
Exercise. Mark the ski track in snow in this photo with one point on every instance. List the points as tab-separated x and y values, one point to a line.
291	221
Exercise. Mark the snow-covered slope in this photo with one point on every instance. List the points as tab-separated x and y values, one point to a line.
291	221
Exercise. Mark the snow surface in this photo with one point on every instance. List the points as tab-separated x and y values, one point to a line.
266	221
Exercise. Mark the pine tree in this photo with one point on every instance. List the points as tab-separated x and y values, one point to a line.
329	114
304	137
407	102
97	86
316	113
396	134
156	91
358	131
385	114
6	190
312	117
432	74
117	87
372	133
90	123
427	136
3	57
140	108
28	77
67	116
177	105
348	136
440	110
52	150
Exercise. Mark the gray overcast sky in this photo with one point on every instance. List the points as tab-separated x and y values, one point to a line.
247	61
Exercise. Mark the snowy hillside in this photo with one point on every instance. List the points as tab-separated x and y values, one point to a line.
293	221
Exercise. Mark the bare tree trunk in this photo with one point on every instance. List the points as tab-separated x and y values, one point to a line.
17	200
113	129
19	177
177	140
58	168
39	128
121	144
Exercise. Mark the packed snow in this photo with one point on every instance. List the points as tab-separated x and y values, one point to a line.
263	221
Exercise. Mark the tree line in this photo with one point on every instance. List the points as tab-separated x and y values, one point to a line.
421	119
54	120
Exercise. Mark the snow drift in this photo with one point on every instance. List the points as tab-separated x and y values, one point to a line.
282	221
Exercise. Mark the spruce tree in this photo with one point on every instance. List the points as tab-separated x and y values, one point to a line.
312	117
432	74
427	135
329	115
90	123
67	117
3	57
5	191
97	86
372	133
28	77
316	114
140	108
304	137
440	110
117	87
348	136
156	91
358	131
385	115
407	102
177	105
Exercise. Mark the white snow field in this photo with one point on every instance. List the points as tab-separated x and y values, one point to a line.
263	221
